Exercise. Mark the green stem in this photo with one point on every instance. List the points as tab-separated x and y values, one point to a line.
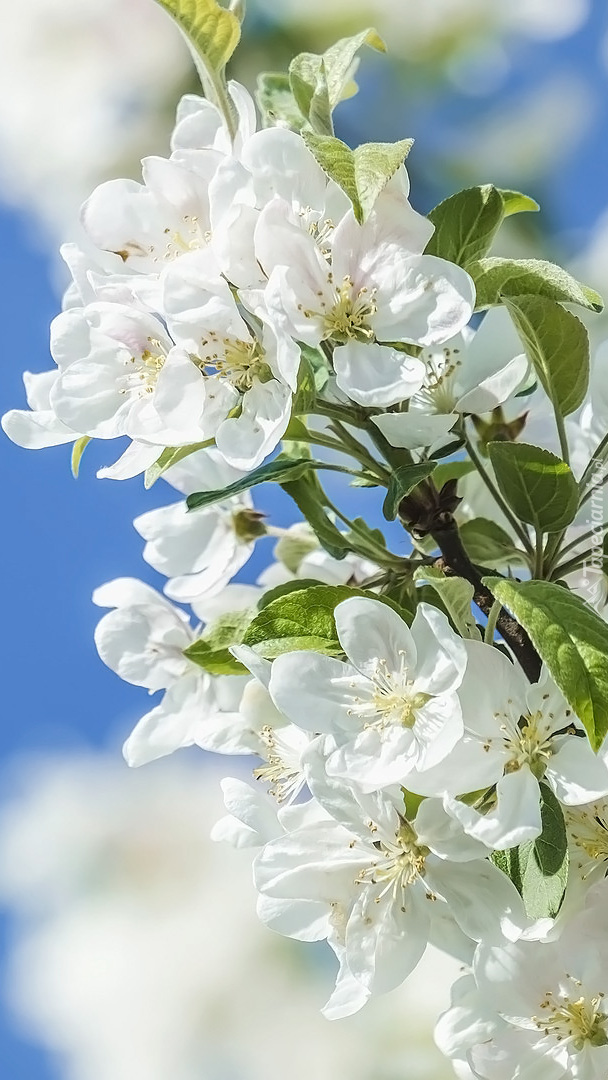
598	459
582	539
561	431
538	553
492	488
490	630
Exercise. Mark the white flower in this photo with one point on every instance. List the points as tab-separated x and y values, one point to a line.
537	1010
381	878
393	706
299	555
199	124
38	426
516	734
369	286
118	376
473	373
247	369
143	639
200	551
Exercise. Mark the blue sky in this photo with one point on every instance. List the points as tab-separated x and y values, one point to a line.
60	537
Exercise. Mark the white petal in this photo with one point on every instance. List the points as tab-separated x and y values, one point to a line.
413	430
385	941
514	820
370	631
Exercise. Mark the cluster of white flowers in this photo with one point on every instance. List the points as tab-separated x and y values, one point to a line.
421	779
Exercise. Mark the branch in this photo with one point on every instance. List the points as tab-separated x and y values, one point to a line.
456	561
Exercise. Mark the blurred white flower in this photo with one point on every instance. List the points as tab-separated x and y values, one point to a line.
139	954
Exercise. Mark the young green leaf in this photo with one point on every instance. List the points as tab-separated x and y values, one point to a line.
466	223
362	173
319	82
456	595
213	31
539	868
280	470
78	450
557	344
498	278
403	481
538	486
171	455
571	639
309	497
212	651
276	102
487	544
303	619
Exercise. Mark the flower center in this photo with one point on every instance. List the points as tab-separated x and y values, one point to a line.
239	362
349	318
393	699
577	1021
189	237
282	770
529	744
437	392
143	370
589	831
399	864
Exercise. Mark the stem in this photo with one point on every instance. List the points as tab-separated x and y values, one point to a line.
538	553
598	458
492	488
581	539
490	630
456	560
561	431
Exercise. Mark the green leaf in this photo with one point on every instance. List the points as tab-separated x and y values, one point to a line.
451	470
456	595
539	869
309	497
515	202
276	102
212	650
171	455
496	278
403	481
297	585
571	639
557	344
303	619
362	173
466	223
280	470
538	486
319	82
312	378
487	544
78	450
213	31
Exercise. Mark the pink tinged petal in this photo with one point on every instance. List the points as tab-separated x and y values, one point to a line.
245	441
170	726
369	631
445	836
372	374
412	430
136	459
316	692
495	389
442	656
422	300
514	820
385	941
575	773
437	728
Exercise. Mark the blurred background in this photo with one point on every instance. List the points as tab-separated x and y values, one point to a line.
129	948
